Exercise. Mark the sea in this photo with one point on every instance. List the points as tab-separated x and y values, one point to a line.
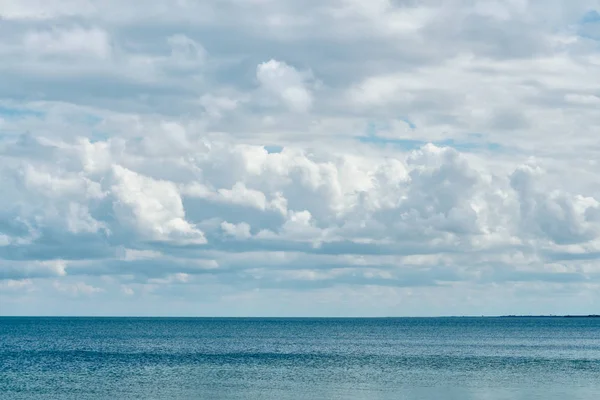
301	358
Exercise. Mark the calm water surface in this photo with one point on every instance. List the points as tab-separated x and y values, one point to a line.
404	358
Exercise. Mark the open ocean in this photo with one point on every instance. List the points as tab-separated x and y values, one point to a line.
388	358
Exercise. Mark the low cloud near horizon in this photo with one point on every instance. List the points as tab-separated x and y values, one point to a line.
331	157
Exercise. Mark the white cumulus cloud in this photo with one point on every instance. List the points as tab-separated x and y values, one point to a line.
286	83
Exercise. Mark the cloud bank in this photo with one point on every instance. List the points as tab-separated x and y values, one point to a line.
335	157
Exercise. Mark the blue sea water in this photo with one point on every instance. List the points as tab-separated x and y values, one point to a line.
392	358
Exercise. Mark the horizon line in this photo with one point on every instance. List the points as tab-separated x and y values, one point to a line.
310	317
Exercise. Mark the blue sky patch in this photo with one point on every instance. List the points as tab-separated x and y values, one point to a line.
591	16
273	149
11	112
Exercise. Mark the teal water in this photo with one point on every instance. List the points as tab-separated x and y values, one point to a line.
181	358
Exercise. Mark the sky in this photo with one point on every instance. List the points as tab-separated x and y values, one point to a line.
299	158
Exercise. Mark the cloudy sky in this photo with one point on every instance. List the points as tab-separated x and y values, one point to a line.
289	158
